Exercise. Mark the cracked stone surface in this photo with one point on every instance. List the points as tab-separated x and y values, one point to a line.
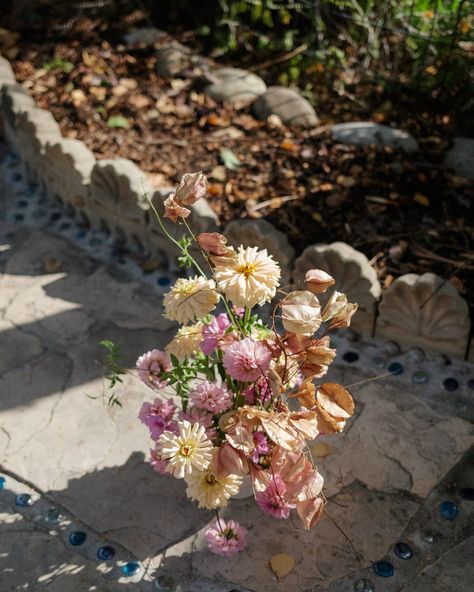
408	448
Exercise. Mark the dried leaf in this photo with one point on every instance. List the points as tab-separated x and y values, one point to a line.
421	199
282	564
321	449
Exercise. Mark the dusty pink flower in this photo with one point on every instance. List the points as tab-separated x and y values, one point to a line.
272	499
226	537
150	367
258	392
213	243
191	188
159	464
213	332
174	209
158	417
261	446
247	360
201	417
211	397
229	461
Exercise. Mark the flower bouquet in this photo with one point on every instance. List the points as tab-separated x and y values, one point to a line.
236	401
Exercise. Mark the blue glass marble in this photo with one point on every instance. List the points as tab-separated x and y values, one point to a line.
395	368
163	281
448	510
130	569
16	177
105	553
18	217
364	585
22	204
95	242
378	362
2	482
23	500
350	357
403	551
65	226
384	569
460	405
77	538
451	384
53	516
419	377
37	214
81	234
31	189
466	493
56	216
470	384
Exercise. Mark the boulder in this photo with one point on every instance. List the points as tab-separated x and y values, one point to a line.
364	133
234	85
288	104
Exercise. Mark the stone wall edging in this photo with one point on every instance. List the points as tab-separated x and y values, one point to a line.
416	311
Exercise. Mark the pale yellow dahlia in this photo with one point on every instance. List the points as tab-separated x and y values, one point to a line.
189	449
212	491
250	278
186	342
190	299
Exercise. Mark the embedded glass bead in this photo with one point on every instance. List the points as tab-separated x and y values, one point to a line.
163	281
395	368
384	569
55	216
105	553
364	585
53	515
350	357
164	583
419	377
403	551
22	204
77	538
470	384
130	569
448	510
18	217
2	482
378	362
23	500
451	384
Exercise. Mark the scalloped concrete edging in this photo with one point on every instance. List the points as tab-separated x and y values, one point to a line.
421	311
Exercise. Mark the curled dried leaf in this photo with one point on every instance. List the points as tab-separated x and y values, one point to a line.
335	405
301	312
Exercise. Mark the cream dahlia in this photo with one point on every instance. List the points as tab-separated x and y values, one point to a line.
186	342
189	449
189	299
212	491
249	279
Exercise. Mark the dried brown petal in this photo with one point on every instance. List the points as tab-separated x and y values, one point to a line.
318	281
301	312
213	243
191	188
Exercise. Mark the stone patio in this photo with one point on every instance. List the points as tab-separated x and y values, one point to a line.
407	450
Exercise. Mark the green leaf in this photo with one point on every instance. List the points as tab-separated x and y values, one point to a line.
117	121
58	63
229	159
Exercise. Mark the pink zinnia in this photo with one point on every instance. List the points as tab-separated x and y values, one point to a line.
150	367
213	332
259	392
159	465
261	446
226	538
271	500
211	397
247	360
158	416
201	417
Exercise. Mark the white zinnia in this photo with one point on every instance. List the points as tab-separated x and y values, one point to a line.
186	342
212	491
250	278
188	450
189	299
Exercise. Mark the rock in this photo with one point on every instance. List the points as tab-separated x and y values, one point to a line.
143	37
234	85
288	105
262	234
14	100
424	311
66	168
35	128
118	189
363	133
461	157
353	274
6	73
172	58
